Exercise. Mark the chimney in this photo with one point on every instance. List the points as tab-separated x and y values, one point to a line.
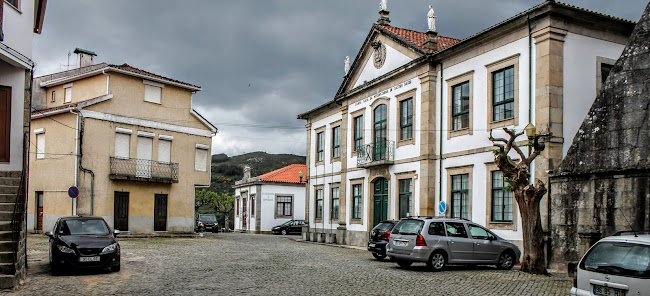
383	18
84	57
432	40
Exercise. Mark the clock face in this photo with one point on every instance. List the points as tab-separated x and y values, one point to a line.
379	56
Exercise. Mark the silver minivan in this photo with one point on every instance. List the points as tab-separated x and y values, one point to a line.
618	265
441	241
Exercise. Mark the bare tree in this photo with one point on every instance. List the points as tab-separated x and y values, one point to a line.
528	196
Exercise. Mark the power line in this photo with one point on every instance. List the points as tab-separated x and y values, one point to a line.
61	123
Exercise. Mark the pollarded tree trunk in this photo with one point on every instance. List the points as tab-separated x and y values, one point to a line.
528	197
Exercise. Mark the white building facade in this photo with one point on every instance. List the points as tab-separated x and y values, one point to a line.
410	123
270	199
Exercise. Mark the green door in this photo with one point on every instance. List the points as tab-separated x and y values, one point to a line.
381	201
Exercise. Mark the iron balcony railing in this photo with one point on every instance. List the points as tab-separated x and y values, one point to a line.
377	153
143	170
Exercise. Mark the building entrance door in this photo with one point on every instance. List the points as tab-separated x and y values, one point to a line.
5	122
39	210
381	201
244	216
121	211
160	212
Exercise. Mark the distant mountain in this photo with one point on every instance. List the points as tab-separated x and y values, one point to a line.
226	170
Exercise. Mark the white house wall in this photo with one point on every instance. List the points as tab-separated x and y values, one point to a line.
269	193
580	54
394	59
15	78
19	27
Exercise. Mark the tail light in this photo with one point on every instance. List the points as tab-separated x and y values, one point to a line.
385	235
420	242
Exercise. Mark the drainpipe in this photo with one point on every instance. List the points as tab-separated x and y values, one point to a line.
441	120
108	80
26	156
76	162
80	132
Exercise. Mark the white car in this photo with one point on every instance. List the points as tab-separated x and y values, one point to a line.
618	265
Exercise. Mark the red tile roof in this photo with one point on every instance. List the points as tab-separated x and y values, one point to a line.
418	39
36	112
288	174
127	67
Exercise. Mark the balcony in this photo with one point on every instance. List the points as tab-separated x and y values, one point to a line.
143	170
374	154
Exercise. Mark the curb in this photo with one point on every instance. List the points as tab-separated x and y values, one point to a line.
331	245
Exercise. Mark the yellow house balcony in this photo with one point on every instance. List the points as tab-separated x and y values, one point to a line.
144	170
374	154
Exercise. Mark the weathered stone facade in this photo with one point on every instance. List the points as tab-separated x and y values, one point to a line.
603	184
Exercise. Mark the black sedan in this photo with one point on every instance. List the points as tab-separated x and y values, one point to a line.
379	238
289	227
83	242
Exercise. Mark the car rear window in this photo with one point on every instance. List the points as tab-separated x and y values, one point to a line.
618	258
437	228
384	226
408	226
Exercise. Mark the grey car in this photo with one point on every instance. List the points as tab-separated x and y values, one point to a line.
441	241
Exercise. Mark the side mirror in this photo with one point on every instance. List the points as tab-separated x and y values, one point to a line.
49	233
116	232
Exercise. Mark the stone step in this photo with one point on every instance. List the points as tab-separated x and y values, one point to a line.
9	181
6	215
10	174
5	226
7	206
6	246
7	189
6	268
6	257
6	235
6	197
6	281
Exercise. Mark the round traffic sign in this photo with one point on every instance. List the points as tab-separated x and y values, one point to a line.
73	191
442	207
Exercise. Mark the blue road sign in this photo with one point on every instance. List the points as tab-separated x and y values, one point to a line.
442	207
73	191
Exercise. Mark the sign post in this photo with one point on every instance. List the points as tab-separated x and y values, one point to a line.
443	207
73	192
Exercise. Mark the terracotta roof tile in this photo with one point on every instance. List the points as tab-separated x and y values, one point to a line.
288	174
64	106
418	39
127	67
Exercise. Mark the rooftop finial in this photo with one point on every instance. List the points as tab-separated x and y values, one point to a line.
431	19
383	13
383	5
347	64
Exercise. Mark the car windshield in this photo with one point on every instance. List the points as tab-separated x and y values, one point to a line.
83	227
408	226
384	226
209	219
288	223
618	258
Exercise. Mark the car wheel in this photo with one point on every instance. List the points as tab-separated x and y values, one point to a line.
115	268
379	256
437	261
506	260
284	232
404	264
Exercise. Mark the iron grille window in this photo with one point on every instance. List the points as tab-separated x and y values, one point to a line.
406	119
501	199
356	201
460	106
335	204
460	196
405	194
336	141
358	133
319	204
319	146
503	94
283	206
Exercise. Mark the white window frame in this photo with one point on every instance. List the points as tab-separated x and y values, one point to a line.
206	149
40	147
153	91
67	96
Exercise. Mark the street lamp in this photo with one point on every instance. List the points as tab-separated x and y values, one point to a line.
530	131
300	174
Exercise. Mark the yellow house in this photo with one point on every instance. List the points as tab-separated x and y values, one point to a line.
128	139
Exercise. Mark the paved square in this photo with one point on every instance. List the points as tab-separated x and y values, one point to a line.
234	263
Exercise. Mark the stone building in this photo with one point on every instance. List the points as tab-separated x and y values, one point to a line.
269	199
127	138
603	184
409	125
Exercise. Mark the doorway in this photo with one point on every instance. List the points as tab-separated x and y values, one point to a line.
160	212
381	201
39	210
244	216
121	211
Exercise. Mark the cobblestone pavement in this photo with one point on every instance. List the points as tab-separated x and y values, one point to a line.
233	263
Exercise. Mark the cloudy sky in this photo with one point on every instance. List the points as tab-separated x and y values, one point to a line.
260	63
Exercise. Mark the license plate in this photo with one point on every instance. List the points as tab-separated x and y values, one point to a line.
607	291
89	259
371	245
400	243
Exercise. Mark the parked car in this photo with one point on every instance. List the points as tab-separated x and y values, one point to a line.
379	238
289	227
442	241
615	265
207	222
83	242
